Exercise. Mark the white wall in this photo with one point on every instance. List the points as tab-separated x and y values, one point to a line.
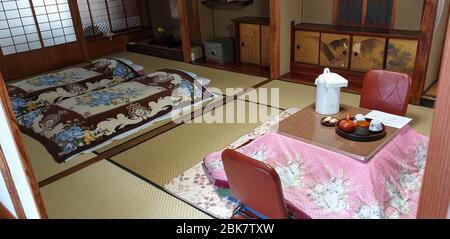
291	10
5	199
15	166
437	44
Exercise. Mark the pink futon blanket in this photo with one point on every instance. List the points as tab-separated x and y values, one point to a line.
328	185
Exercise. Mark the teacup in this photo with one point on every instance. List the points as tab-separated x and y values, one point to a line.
362	128
359	118
376	126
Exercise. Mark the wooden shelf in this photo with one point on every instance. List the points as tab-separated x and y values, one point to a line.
401	34
221	3
252	20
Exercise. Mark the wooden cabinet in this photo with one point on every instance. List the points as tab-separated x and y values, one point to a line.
250	43
265	45
253	40
367	53
401	55
306	47
334	50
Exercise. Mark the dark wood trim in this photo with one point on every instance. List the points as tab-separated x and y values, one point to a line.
184	31
196	20
5	213
4	100
12	190
275	38
370	32
435	195
423	49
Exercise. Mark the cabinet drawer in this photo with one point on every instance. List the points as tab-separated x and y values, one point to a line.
367	53
401	55
250	43
306	48
334	50
265	45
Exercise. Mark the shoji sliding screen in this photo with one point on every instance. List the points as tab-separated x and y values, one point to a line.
100	17
29	25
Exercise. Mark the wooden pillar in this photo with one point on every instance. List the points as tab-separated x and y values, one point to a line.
423	49
435	195
275	36
7	107
184	31
79	33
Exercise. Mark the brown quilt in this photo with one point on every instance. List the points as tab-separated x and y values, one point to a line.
86	122
35	93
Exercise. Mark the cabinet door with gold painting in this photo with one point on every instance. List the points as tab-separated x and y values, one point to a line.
265	45
250	40
401	55
306	48
367	53
334	50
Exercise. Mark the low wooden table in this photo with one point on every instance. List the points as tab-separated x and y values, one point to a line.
305	126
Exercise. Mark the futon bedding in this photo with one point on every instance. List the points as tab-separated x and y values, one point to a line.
86	122
38	92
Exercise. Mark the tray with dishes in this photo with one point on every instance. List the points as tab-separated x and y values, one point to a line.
360	129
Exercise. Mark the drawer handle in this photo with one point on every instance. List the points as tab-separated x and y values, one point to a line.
344	53
356	54
243	44
298	47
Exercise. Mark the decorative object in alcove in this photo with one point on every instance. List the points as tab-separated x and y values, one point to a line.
165	39
401	55
368	53
334	49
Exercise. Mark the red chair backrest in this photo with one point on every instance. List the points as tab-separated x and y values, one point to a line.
386	91
256	184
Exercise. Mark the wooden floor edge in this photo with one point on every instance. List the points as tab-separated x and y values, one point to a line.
5	213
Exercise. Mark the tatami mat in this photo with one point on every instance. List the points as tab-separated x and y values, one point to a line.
298	95
166	156
104	191
219	78
44	166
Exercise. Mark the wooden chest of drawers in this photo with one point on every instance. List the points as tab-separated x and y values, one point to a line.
253	40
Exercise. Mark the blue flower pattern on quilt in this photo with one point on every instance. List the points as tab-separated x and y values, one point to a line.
19	104
69	138
28	119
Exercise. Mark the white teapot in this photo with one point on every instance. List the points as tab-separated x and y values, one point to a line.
328	92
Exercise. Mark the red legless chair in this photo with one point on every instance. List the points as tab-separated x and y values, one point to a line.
386	91
257	186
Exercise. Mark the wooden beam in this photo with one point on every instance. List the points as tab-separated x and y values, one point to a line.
196	22
423	49
12	190
435	196
275	30
79	32
31	179
184	30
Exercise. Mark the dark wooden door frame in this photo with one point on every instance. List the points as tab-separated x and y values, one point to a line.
435	195
275	27
5	103
423	49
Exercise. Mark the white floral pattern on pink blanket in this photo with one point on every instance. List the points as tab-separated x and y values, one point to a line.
326	185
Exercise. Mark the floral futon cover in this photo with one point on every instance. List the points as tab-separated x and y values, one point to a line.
38	92
327	185
85	122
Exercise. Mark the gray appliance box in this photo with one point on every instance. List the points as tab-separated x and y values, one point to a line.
220	50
